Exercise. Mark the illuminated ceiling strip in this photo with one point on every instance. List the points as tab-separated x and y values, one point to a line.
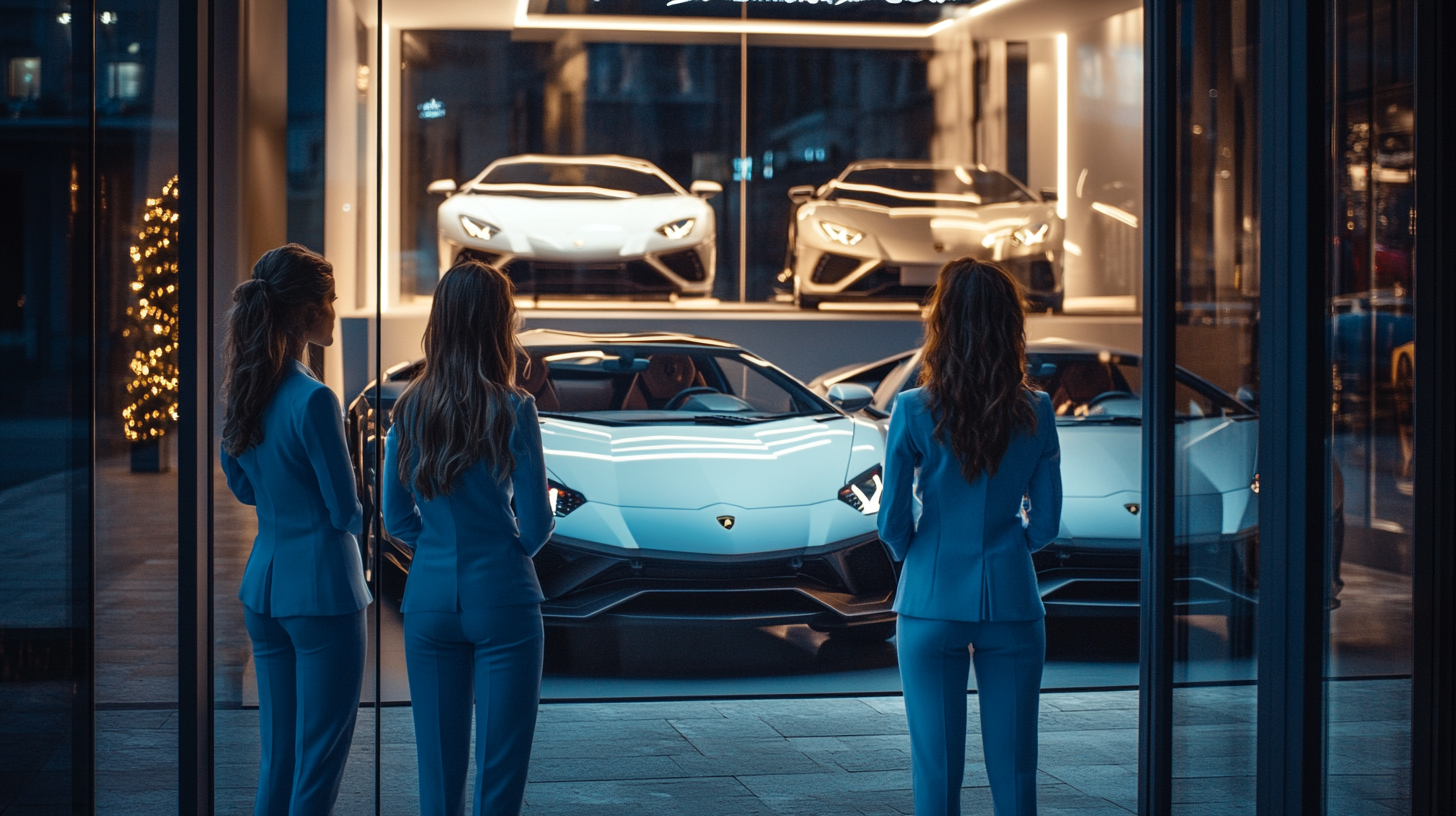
592	22
1062	128
1116	213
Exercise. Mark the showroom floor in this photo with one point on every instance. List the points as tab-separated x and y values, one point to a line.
824	757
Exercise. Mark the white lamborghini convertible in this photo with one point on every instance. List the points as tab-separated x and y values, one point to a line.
691	479
883	229
1092	569
582	225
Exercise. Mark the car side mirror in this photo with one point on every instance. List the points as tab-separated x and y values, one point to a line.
1248	395
850	397
1048	194
705	189
801	193
441	187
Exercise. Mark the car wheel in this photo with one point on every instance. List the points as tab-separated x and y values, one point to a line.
864	633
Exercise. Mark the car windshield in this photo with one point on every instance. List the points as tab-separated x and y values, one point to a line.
1108	387
927	187
647	384
571	180
1105	387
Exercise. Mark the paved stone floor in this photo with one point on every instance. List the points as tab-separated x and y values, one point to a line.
820	757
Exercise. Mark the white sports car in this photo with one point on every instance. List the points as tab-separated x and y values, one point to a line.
583	225
883	229
1092	569
692	479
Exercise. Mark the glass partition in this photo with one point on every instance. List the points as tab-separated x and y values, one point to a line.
1370	331
1216	420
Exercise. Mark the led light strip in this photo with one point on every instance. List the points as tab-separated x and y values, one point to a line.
592	22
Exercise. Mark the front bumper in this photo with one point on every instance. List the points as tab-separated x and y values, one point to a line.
1213	575
845	583
686	271
830	276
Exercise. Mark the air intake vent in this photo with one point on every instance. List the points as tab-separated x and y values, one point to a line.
685	264
833	268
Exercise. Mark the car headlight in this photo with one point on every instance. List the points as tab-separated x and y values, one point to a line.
563	499
841	235
1029	235
677	229
863	491
476	228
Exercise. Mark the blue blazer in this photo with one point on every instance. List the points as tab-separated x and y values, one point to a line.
305	559
968	556
471	550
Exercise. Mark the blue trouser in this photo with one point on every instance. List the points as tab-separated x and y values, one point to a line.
934	668
310	671
493	656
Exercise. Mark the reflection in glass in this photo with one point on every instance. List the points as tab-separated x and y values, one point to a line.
1216	575
1370	335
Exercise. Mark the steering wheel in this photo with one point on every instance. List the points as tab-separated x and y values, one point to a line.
681	397
1106	396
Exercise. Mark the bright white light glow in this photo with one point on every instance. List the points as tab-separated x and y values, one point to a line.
1073	248
553	493
478	229
1062	125
841	235
1116	213
1026	236
677	229
591	355
987	5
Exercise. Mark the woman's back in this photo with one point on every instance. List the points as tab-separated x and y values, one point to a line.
305	558
473	545
968	556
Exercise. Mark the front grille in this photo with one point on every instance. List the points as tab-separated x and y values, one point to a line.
1043	279
547	278
870	568
884	282
833	268
685	264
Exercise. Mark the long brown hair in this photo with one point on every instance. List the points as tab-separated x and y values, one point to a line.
264	329
974	365
458	411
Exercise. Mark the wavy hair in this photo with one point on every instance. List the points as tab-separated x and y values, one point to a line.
457	411
974	365
264	329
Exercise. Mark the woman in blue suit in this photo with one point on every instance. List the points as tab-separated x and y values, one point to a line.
465	485
303	589
979	448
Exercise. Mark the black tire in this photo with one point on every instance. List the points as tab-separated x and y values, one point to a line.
863	633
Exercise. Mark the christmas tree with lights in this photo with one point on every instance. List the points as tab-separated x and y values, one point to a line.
151	331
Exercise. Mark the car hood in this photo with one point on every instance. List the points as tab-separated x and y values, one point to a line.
784	463
581	217
906	231
1214	455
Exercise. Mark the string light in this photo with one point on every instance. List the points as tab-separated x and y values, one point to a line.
151	323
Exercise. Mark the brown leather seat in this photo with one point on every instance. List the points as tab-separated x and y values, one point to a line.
532	374
666	375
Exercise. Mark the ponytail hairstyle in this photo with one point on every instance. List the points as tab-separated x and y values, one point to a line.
265	329
974	365
458	410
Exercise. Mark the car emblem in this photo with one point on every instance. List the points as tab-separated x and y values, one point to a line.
726	521
1133	508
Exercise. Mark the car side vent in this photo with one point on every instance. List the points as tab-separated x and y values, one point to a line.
833	268
685	264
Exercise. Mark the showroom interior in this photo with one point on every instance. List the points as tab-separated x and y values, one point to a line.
1210	206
